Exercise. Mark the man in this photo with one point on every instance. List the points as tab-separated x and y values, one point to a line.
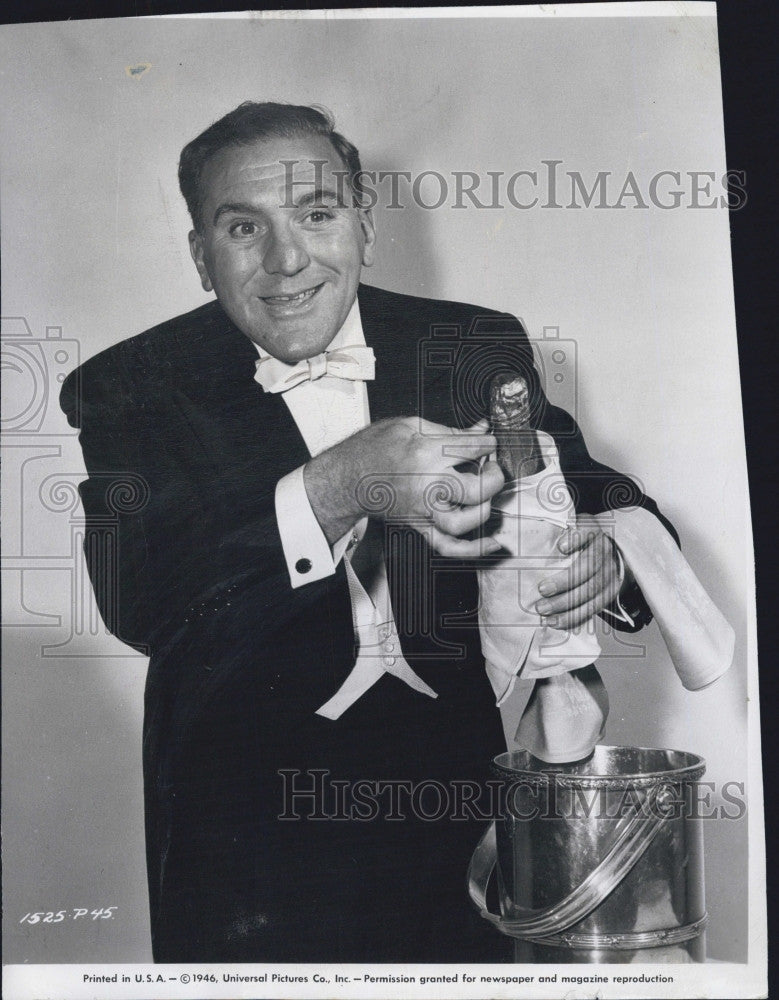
299	563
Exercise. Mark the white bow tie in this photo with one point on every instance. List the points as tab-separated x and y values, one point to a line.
354	362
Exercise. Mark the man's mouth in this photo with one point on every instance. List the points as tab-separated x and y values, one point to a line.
290	300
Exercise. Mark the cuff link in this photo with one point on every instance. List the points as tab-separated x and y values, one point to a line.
303	566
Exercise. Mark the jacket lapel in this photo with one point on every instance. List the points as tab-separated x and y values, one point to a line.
394	339
233	419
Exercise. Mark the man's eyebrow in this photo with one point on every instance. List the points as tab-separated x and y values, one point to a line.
236	207
320	194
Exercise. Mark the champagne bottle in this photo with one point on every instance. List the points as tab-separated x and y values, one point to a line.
519	454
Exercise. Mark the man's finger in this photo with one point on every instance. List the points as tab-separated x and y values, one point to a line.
577	538
478	428
579	572
599	589
470	446
481	486
576	617
461	520
461	548
429	428
597	557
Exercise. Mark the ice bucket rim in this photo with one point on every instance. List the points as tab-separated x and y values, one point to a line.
689	767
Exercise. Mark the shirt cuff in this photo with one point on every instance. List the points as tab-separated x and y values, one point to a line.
308	556
616	610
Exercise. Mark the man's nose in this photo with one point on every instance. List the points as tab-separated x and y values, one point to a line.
284	253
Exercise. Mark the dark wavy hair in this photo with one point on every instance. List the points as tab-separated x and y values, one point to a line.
253	121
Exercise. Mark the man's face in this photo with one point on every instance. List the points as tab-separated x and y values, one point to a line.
284	259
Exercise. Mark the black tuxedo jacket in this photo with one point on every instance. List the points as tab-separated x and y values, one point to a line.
183	451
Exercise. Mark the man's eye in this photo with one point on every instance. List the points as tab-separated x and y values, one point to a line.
243	229
319	215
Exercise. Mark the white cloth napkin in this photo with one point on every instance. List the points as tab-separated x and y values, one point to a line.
699	639
535	513
562	698
566	704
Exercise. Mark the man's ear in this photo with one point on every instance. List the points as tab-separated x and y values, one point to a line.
196	249
369	232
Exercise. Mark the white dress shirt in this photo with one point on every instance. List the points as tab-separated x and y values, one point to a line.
326	412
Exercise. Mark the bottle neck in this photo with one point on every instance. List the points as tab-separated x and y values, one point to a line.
511	424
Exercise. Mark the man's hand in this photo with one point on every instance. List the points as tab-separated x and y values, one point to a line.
590	584
404	469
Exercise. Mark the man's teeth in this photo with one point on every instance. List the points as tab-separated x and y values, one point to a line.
291	298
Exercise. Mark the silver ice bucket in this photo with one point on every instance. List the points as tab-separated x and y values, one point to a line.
597	861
